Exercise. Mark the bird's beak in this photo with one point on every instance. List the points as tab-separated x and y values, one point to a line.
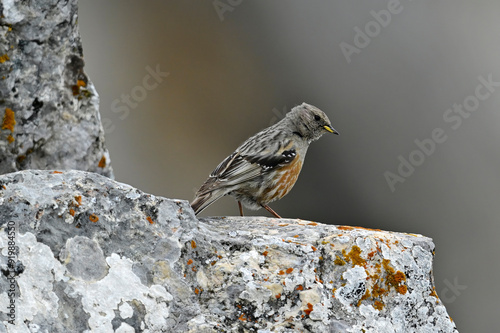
331	129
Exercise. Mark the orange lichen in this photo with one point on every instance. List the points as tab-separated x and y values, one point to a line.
296	236
150	220
193	244
313	224
313	248
344	227
372	254
72	212
433	292
56	171
365	296
102	162
93	218
10	138
242	317
394	279
309	309
190	261
299	287
4	58
265	253
378	305
377	291
196	291
289	270
278	296
354	256
193	269
81	83
402	289
9	120
213	263
78	199
281	272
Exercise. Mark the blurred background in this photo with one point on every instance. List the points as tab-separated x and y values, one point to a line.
183	83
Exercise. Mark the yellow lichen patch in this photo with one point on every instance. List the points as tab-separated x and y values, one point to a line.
9	120
102	162
193	244
339	261
4	58
10	138
354	256
81	83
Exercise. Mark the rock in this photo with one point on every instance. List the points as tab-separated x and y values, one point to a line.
49	115
93	254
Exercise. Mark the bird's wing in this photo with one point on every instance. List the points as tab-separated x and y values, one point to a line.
248	163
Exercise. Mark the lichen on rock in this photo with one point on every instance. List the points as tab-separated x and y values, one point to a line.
122	273
49	115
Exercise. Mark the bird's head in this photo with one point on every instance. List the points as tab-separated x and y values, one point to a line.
310	122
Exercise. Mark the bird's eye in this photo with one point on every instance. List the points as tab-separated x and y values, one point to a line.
317	118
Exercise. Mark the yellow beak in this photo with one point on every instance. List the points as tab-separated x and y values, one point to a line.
331	129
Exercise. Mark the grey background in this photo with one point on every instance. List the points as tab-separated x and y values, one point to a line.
230	78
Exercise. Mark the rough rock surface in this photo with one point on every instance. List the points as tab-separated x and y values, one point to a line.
95	255
49	115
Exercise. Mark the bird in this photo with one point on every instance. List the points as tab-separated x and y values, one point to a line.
265	167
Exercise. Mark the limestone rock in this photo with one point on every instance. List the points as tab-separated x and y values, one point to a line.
49	115
93	254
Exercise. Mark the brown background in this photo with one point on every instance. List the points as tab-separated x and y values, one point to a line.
230	78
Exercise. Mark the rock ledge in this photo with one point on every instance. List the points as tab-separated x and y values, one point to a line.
96	255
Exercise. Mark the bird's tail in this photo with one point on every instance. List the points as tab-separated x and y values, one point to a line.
203	200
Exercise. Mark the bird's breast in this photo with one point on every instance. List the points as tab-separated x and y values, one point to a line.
283	180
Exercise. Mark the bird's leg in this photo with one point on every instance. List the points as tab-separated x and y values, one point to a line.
241	208
270	210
